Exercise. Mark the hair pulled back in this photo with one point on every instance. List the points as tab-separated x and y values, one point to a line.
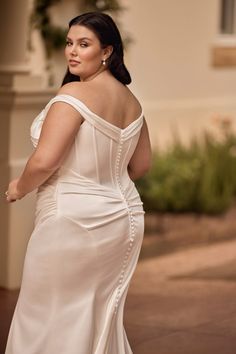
108	34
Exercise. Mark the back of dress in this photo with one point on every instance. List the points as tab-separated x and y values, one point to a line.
85	245
102	151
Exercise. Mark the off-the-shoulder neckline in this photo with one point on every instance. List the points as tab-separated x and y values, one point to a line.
99	117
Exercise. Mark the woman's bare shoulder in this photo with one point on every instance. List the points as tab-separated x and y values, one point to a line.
134	100
95	93
72	88
88	92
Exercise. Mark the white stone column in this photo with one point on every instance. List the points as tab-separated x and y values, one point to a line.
21	98
14	26
14	37
13	34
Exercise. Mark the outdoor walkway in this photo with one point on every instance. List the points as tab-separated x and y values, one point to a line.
185	302
179	303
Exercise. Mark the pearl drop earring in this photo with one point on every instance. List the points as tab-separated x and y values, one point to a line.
104	62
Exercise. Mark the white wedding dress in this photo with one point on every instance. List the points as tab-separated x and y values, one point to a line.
84	247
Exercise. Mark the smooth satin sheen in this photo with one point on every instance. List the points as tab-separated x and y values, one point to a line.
85	245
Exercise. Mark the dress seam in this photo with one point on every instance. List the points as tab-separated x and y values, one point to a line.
131	225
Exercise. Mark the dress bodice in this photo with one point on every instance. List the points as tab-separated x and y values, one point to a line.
101	151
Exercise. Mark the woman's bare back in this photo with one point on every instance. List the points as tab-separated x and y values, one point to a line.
108	98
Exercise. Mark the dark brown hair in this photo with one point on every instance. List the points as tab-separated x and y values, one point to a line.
108	34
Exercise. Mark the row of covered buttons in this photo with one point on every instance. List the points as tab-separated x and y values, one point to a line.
132	233
132	230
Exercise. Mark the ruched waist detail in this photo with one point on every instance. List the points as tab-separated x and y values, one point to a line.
92	204
82	185
84	201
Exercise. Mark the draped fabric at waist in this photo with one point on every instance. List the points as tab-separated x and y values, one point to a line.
86	202
82	185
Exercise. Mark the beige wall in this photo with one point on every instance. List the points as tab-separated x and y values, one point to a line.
171	56
170	60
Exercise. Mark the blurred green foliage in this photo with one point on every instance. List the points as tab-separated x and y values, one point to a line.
199	178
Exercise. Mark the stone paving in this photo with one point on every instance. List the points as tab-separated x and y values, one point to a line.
184	302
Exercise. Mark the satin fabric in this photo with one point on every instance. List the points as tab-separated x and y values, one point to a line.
85	245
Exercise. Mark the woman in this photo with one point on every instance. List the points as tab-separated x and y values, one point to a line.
91	143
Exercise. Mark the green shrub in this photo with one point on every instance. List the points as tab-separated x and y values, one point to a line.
199	178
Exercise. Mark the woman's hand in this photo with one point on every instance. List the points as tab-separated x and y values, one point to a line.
12	193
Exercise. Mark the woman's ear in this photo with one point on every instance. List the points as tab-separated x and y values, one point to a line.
107	52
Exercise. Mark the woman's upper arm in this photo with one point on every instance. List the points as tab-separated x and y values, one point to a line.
141	159
58	133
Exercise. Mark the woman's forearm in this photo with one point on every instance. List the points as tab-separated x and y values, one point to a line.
34	174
